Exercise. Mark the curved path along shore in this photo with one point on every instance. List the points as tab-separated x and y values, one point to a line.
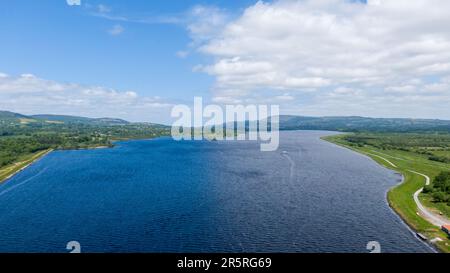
390	163
430	216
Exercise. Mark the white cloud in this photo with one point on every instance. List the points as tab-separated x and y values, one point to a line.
437	87
345	91
226	100
116	30
103	8
73	2
182	54
30	94
285	97
28	83
387	52
203	22
407	89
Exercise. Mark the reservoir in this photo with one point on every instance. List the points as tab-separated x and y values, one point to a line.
160	195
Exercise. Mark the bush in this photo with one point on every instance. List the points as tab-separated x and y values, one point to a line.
440	189
440	197
428	189
441	159
442	182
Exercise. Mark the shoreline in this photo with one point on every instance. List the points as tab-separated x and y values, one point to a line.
403	219
396	205
88	148
26	163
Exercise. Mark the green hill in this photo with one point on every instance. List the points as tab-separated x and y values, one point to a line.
363	124
10	115
81	120
11	118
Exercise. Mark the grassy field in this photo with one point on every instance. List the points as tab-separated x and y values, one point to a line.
24	161
401	197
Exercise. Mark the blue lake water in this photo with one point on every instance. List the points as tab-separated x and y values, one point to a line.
165	196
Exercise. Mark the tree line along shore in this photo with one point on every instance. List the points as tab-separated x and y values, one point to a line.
24	139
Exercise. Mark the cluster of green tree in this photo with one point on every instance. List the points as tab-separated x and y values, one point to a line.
422	143
440	188
13	147
442	159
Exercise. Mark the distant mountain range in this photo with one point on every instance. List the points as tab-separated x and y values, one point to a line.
11	117
357	124
75	119
344	124
6	115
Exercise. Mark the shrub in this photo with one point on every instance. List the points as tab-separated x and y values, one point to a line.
439	196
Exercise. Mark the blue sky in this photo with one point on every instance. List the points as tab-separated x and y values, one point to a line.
66	43
137	59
